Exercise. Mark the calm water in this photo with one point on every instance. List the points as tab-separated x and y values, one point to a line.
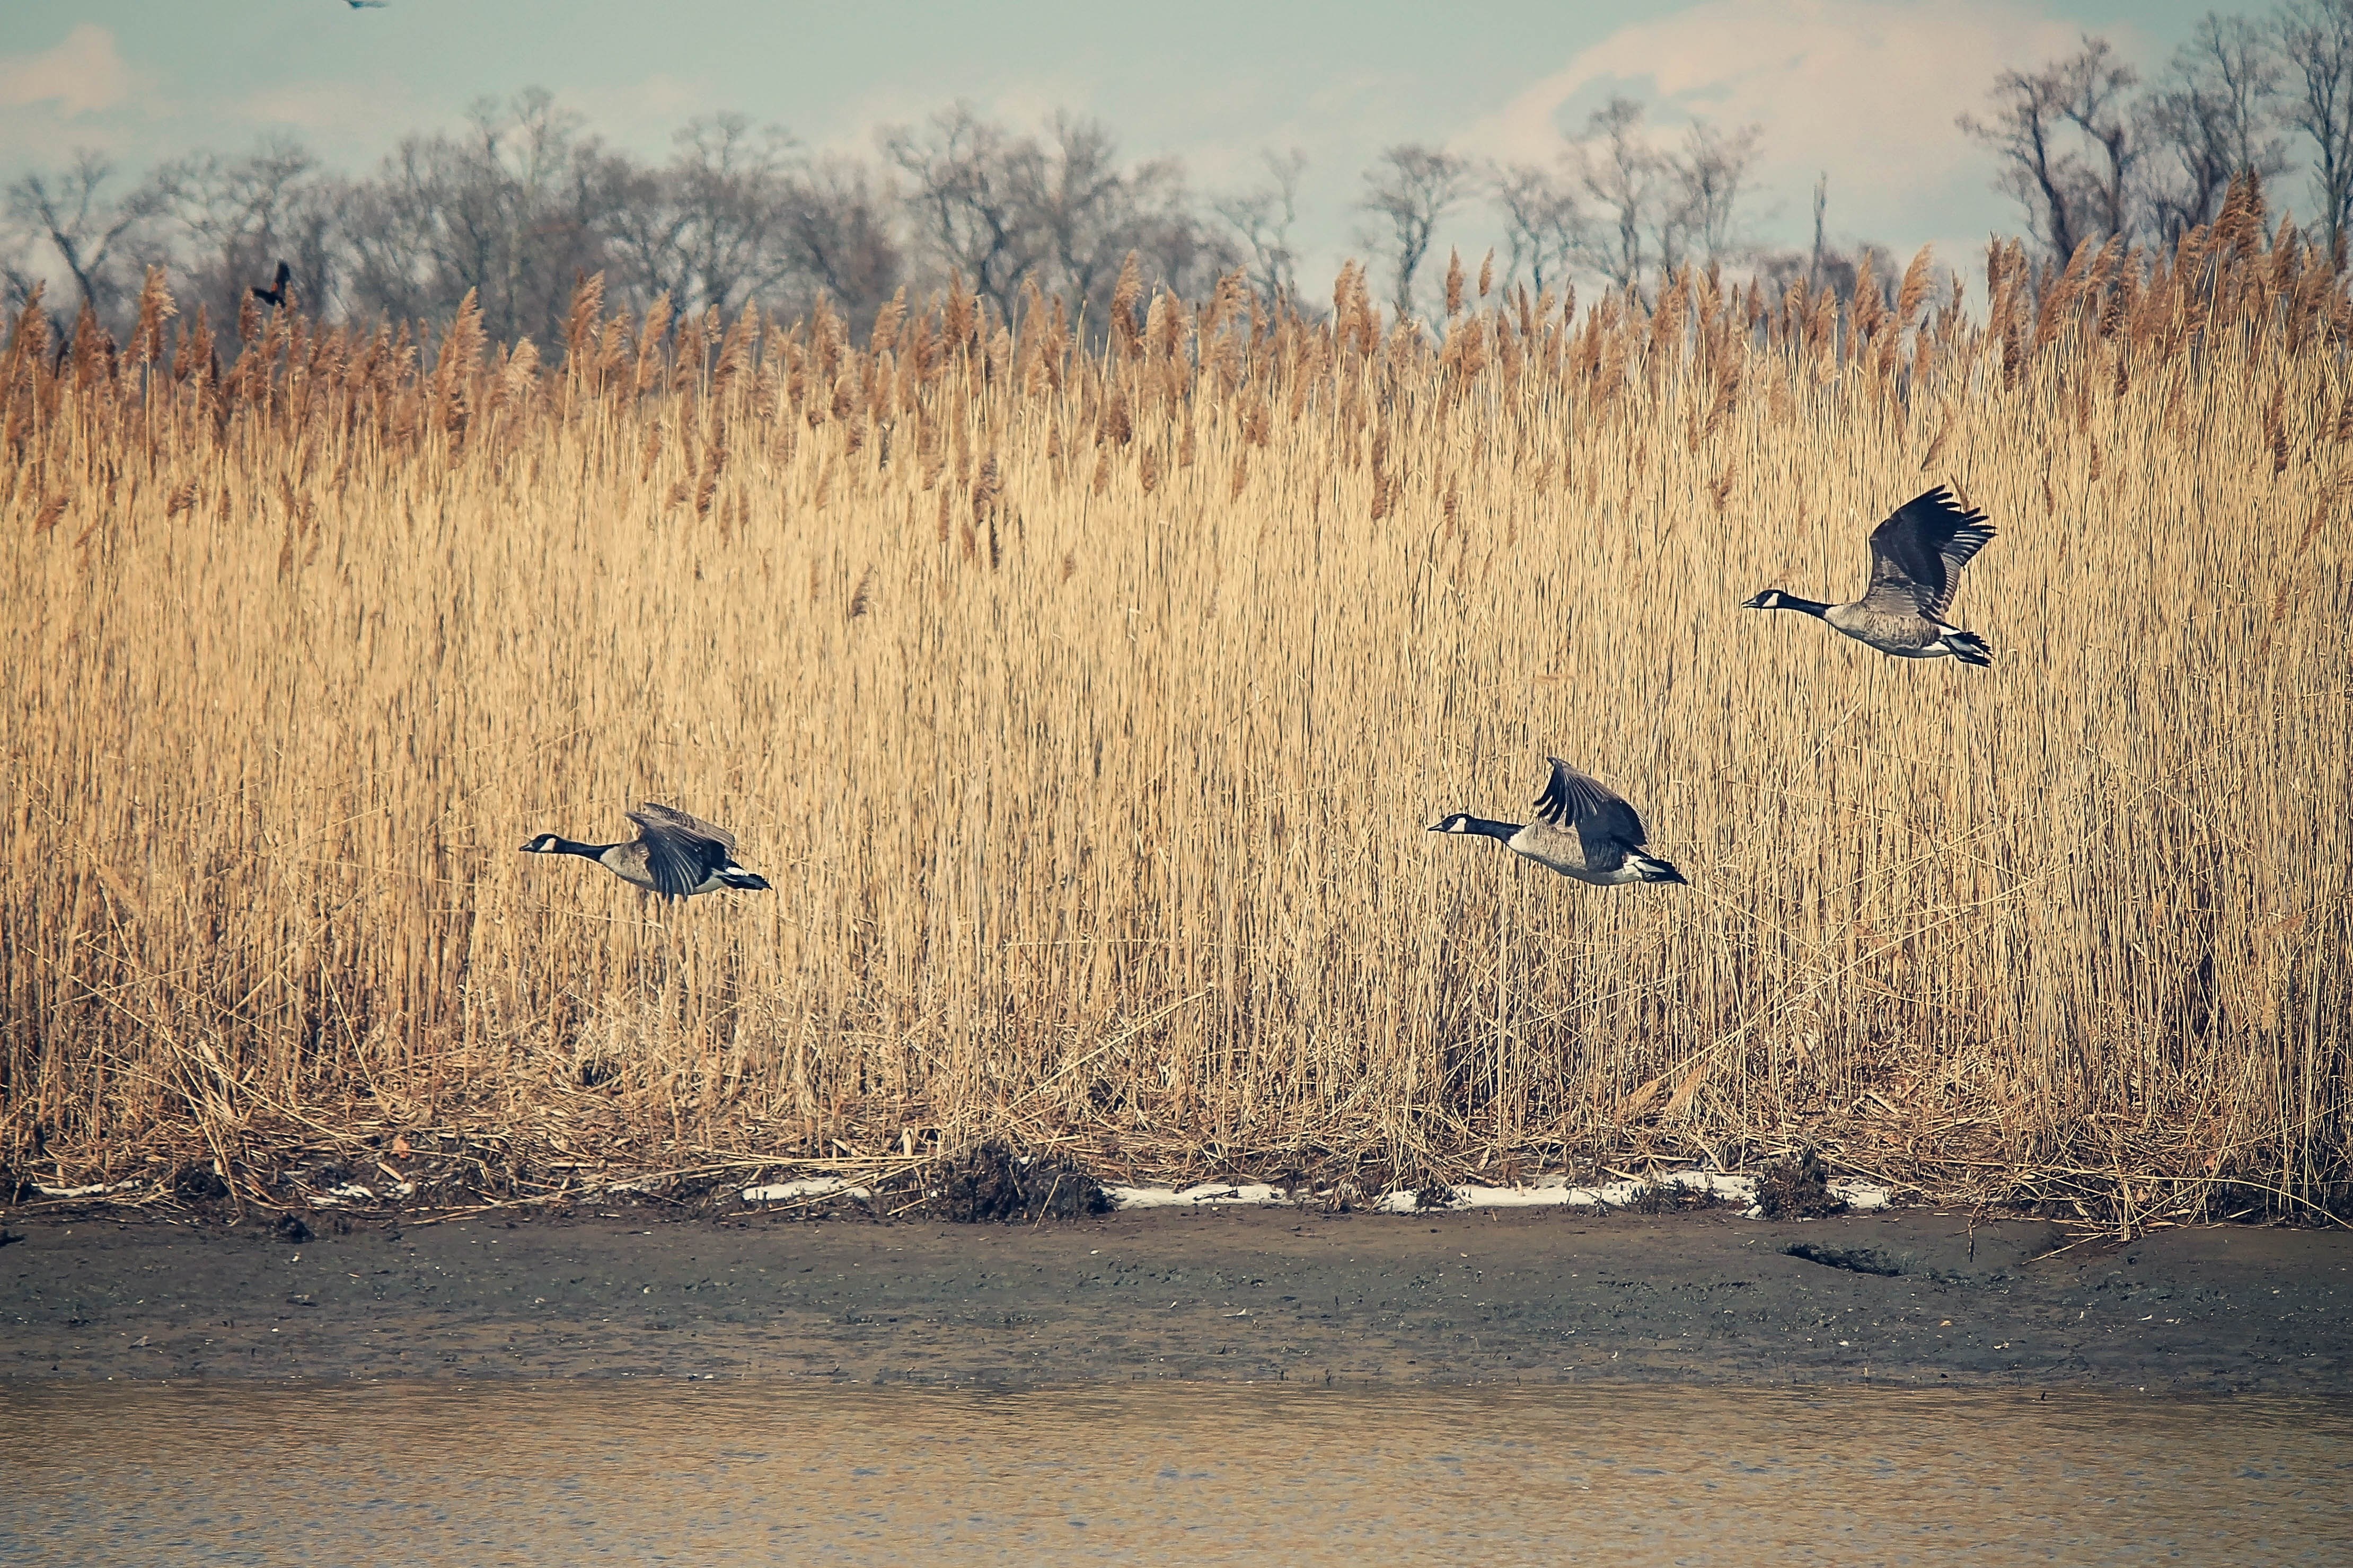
714	1473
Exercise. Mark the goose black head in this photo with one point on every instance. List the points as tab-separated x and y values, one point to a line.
1770	599
1458	823
546	844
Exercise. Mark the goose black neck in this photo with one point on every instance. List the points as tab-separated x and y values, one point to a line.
1489	827
1814	607
574	846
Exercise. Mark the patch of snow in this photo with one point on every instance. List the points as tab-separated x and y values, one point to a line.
1540	1192
1205	1192
1864	1195
807	1187
1555	1192
88	1191
353	1192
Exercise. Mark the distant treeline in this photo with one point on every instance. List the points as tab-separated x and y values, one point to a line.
525	200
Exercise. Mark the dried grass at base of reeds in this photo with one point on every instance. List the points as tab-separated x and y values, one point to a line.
991	1181
1651	1197
1796	1186
1094	825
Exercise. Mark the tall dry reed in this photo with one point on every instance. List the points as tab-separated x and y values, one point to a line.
1086	712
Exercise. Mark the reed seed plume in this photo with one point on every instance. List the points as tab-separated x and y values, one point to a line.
1096	698
1123	297
1914	292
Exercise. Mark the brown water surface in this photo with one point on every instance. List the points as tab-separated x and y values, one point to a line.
792	1472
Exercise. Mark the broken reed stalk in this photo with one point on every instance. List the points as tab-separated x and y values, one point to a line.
1095	822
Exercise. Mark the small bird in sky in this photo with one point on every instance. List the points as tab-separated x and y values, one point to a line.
276	294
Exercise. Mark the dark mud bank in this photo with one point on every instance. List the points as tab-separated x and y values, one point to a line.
1903	1297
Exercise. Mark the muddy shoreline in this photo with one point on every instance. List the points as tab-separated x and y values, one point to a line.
1908	1297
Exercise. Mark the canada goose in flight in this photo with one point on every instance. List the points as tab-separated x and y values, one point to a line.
1916	556
673	855
276	294
1583	830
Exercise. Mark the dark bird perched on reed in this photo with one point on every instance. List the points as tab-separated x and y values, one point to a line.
1582	829
674	855
1916	556
276	294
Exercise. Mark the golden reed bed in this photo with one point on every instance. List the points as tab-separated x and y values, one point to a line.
1086	709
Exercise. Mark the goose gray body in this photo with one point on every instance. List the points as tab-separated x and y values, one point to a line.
1582	829
1917	557
674	855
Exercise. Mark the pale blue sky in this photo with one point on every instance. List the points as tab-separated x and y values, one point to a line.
1864	89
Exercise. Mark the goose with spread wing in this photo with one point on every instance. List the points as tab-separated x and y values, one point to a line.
1916	556
1582	829
674	855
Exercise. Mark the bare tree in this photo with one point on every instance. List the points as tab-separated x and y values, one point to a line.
838	228
19	274
1543	224
1825	267
1620	171
2068	144
1411	190
1622	206
2211	119
1007	209
514	210
1705	181
2316	36
1822	209
90	230
231	221
967	202
708	229
1092	214
1263	218
1081	207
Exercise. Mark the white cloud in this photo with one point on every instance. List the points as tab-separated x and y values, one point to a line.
1866	90
82	74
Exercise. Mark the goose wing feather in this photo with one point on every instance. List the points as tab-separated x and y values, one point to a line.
1607	827
681	849
1918	553
655	817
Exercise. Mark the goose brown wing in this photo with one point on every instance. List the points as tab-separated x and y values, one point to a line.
1607	827
1918	553
653	817
681	849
